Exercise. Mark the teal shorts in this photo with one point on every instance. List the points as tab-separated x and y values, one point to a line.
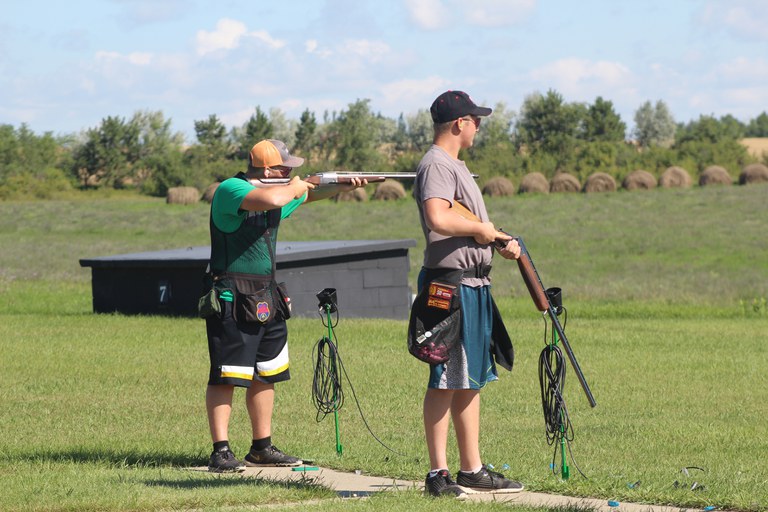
471	365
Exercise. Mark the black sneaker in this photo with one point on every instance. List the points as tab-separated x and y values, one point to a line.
271	456
485	480
224	461
443	485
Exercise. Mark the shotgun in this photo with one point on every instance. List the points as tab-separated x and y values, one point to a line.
341	178
538	294
338	178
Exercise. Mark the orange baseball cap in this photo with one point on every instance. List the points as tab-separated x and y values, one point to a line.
271	153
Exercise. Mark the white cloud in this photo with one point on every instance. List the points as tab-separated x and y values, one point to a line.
745	19
270	41
748	96
404	92
237	118
743	69
370	50
135	58
229	34
226	36
437	14
313	47
570	73
427	14
498	13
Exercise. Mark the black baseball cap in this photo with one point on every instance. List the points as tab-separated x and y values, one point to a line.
452	105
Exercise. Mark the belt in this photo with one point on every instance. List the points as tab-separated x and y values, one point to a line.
455	275
480	271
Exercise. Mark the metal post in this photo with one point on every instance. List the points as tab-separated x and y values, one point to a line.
565	472
334	370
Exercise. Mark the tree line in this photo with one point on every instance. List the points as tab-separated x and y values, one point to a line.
547	135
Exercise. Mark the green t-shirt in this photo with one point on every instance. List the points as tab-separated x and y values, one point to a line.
242	241
225	207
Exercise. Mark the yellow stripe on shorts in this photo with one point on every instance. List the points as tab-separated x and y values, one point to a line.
237	372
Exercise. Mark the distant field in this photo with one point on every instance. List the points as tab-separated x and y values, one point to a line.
757	146
695	245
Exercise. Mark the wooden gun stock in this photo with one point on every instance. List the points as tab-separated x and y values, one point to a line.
532	281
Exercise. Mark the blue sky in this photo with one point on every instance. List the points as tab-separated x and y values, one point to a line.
64	66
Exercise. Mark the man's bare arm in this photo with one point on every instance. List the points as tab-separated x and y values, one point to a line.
443	219
261	199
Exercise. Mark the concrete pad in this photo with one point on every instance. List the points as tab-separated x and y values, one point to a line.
346	485
354	485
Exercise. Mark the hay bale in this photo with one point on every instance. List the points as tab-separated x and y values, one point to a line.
715	175
534	183
209	191
499	186
600	182
639	179
753	173
182	195
675	177
564	182
358	195
389	190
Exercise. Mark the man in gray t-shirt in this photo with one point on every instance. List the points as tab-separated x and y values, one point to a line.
455	242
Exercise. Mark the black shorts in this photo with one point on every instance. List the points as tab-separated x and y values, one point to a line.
243	351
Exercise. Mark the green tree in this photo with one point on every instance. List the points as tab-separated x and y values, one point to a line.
708	129
758	127
602	123
493	153
420	132
497	128
654	125
108	154
355	136
549	125
306	133
732	126
8	150
400	138
30	164
709	141
155	134
160	150
212	143
283	129
258	127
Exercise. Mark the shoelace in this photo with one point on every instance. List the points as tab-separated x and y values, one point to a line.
494	475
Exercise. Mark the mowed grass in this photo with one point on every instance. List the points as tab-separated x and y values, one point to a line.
105	412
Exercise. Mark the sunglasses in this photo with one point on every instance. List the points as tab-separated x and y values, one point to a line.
474	119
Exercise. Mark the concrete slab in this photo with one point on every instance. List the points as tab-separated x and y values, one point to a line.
354	485
346	485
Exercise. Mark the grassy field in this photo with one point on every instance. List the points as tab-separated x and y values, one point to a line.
666	298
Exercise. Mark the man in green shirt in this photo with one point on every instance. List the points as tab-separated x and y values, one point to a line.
247	339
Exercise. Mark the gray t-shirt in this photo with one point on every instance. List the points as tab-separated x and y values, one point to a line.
441	176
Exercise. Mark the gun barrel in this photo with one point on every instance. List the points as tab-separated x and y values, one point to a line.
571	356
335	178
543	303
340	178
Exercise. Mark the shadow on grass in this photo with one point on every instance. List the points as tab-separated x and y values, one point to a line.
236	480
117	459
191	479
